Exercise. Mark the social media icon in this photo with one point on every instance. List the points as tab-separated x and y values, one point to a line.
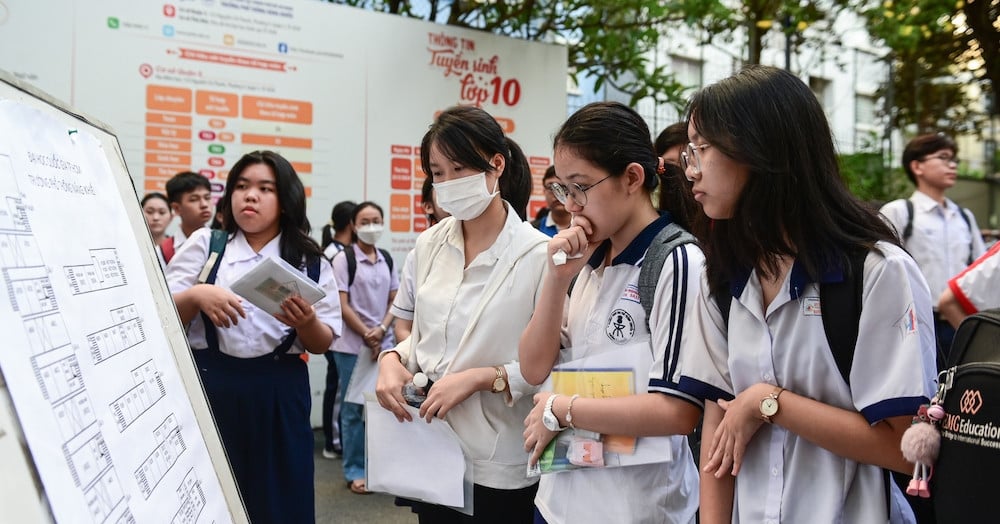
113	22
168	30
169	11
282	47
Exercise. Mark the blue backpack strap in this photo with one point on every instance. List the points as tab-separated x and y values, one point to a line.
968	223
908	230
216	247
352	264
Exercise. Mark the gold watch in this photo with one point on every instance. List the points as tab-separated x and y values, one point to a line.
499	383
769	404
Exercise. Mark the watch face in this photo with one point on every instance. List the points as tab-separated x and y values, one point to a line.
550	421
768	407
499	384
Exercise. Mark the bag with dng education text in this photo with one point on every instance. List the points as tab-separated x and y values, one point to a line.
964	481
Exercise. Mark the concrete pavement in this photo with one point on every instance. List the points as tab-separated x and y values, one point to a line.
335	504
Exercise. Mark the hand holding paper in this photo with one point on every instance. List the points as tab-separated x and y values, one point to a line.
272	281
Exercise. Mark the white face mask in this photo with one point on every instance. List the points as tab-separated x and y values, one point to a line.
370	233
465	198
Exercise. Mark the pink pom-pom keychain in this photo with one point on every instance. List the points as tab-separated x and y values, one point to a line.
920	445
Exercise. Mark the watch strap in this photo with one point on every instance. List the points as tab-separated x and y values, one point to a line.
548	411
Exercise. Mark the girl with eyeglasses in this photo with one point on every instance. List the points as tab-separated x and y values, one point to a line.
476	280
787	437
606	170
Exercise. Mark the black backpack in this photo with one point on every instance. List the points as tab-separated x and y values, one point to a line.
352	262
963	485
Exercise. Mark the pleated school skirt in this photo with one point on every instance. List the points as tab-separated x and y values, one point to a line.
261	407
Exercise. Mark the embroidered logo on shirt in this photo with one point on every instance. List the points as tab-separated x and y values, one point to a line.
621	326
811	307
631	293
908	322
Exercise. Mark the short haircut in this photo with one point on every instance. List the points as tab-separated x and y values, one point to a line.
185	182
550	172
922	146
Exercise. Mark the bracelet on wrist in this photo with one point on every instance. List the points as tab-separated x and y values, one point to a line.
569	411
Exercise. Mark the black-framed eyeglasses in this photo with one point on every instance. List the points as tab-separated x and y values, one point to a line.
690	157
575	191
947	158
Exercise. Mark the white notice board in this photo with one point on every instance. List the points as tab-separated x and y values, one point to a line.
102	415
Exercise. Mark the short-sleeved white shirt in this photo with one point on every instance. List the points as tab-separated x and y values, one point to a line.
259	333
785	478
978	287
940	240
404	303
604	309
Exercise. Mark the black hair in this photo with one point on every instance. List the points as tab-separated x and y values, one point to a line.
183	183
611	135
673	135
795	202
550	172
364	205
471	137
151	196
292	221
922	146
220	207
340	217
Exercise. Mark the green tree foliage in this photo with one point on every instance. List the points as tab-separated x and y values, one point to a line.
938	47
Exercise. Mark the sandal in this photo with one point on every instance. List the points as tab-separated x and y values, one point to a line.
358	487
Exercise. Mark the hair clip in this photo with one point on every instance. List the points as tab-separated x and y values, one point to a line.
660	168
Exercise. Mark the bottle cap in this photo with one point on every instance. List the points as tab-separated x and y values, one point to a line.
419	379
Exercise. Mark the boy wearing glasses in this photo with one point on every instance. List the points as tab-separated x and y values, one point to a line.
941	236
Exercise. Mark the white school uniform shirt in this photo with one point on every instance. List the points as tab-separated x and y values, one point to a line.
259	333
978	286
940	240
403	304
179	239
604	309
785	478
472	317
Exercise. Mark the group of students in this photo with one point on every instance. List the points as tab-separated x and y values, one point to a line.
735	331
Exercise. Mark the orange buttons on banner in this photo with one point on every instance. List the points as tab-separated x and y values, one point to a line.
278	141
163	98
399	212
277	110
419	218
401	173
153	144
418	175
168	119
215	103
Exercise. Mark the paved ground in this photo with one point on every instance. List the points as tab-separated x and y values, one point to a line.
336	504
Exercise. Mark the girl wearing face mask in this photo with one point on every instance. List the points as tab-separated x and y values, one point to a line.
365	298
476	281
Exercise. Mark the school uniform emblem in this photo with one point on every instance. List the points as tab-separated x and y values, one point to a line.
621	326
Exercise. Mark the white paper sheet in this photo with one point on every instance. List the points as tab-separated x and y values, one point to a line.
97	391
273	280
415	460
363	378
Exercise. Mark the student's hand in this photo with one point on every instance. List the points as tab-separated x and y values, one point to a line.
373	337
392	376
536	435
447	393
296	312
738	426
221	306
572	241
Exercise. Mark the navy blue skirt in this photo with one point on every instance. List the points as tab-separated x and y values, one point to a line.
261	408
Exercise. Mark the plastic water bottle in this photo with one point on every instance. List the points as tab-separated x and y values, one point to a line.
414	391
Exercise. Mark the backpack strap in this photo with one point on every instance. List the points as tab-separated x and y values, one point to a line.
908	230
842	300
312	270
668	239
962	211
352	265
167	248
216	247
387	257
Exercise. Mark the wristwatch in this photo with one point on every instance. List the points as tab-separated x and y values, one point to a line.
769	404
549	419
499	383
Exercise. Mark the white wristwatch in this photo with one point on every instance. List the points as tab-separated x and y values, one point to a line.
549	419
